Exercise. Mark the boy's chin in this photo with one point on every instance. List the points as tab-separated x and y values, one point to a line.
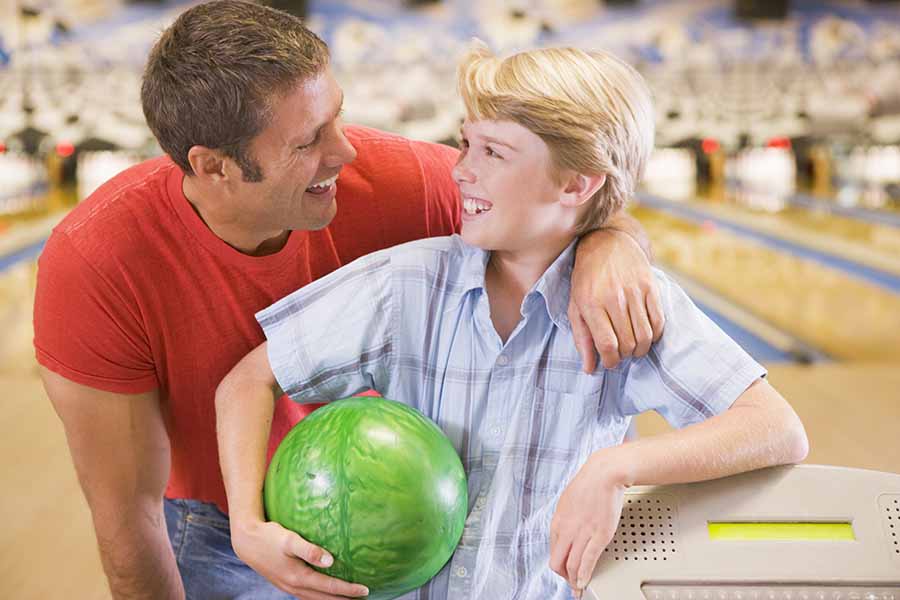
474	239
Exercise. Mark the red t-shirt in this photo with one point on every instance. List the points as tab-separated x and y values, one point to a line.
135	293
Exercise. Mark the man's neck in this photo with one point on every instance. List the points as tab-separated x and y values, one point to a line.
230	229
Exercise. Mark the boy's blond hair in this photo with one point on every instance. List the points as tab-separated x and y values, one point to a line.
592	110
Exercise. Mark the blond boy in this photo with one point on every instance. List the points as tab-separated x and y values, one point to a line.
472	331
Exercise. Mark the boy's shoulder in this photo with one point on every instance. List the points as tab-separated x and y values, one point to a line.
441	264
431	252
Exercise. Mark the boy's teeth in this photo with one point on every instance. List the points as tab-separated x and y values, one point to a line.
474	207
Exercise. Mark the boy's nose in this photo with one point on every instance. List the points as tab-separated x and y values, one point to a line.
462	174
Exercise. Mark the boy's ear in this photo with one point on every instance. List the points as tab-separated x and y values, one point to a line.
208	164
581	188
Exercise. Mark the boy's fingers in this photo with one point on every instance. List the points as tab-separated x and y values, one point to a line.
311	553
592	552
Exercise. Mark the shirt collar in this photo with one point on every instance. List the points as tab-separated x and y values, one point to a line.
553	285
473	264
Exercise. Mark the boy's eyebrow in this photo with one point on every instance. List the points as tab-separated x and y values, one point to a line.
491	140
498	142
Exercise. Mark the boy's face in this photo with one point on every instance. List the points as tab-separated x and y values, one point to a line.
510	201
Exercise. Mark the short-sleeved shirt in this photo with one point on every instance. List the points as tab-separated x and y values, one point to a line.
413	322
135	293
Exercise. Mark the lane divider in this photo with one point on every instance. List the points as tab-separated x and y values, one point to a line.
855	251
762	340
24	241
27	253
852	268
869	215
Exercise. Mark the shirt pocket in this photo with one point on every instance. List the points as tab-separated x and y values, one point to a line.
546	463
571	380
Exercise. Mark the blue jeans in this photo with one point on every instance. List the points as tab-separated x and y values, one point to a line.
210	570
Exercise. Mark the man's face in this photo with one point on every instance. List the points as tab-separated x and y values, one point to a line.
510	201
300	154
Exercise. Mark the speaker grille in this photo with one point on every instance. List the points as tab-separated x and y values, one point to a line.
647	529
890	512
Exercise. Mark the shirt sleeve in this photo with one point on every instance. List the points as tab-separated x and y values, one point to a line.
441	192
86	328
334	337
695	371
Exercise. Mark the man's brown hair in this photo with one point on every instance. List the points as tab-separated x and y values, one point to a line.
214	75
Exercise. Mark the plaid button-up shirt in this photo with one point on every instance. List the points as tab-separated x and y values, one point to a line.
413	322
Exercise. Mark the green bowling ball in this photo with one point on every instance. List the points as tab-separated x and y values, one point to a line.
376	484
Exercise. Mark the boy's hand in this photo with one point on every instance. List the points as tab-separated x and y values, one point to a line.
584	523
283	557
614	305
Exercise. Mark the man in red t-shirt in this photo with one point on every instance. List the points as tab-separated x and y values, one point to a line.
147	290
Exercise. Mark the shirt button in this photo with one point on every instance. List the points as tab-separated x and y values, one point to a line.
496	430
461	572
502	360
480	502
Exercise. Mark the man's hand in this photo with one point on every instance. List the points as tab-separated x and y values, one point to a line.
585	521
284	558
614	305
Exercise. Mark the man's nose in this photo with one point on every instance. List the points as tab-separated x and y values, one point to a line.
340	151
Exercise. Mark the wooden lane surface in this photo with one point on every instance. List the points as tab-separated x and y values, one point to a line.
843	316
851	412
47	546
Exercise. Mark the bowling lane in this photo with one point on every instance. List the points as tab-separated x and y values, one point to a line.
21	241
760	188
16	301
845	317
816	224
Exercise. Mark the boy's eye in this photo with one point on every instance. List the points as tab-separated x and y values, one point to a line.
490	152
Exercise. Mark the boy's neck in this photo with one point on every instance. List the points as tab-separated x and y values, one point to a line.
509	276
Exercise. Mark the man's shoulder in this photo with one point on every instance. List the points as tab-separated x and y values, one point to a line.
395	190
115	220
369	137
126	195
380	152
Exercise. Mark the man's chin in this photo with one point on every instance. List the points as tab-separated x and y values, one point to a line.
321	222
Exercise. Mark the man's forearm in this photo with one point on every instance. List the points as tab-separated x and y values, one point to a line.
761	430
622	222
137	556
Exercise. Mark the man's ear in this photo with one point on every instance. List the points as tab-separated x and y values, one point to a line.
581	188
208	164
